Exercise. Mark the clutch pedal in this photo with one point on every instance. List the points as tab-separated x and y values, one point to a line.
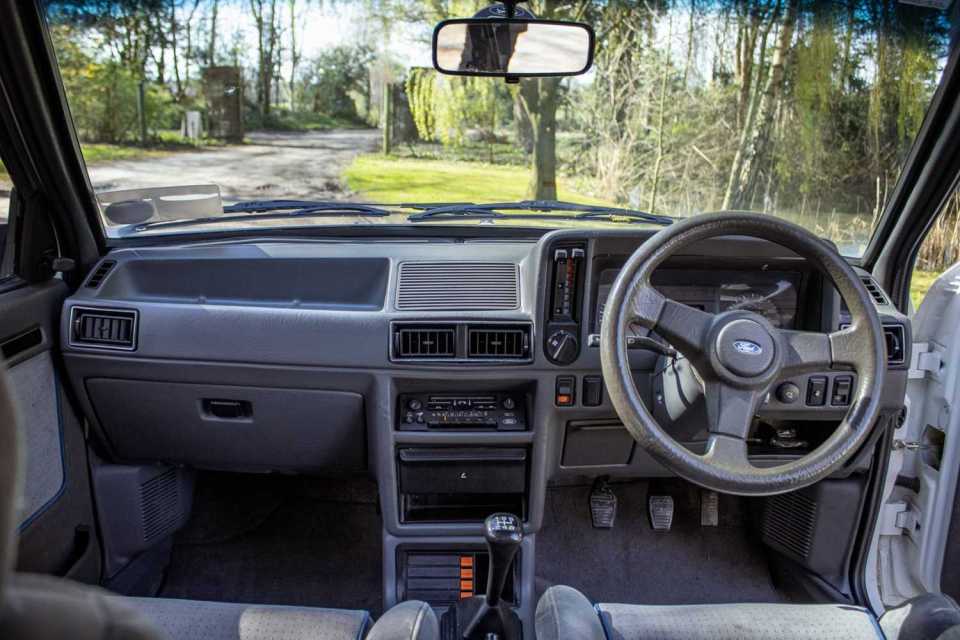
603	505
661	512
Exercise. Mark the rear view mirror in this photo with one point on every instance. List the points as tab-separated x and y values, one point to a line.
512	48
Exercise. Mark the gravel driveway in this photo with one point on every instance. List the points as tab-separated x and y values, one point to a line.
270	165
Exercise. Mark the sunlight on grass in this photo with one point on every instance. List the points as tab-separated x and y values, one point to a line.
920	283
390	180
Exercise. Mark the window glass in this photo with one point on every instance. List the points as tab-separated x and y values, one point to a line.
802	110
5	186
940	250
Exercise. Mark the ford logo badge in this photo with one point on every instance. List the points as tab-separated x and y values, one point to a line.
747	347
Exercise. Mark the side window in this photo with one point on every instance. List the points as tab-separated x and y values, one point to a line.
5	187
940	250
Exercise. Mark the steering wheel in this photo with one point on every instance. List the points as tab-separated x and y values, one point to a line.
738	355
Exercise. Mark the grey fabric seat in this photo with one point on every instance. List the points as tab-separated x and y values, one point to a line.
564	613
183	619
37	607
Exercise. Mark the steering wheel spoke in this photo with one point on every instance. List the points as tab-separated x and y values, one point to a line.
808	351
685	328
730	411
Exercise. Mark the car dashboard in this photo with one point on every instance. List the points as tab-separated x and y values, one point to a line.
464	374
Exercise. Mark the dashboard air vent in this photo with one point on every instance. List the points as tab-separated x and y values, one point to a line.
425	342
98	275
103	328
896	349
458	286
874	290
498	342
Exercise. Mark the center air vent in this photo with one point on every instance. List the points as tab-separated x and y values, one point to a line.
462	342
498	342
874	290
103	328
458	286
425	342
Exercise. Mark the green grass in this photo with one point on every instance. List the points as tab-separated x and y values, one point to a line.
391	179
920	283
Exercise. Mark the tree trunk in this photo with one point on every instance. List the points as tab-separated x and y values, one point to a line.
540	102
212	42
755	142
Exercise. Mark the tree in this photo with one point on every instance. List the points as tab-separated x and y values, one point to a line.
756	137
265	17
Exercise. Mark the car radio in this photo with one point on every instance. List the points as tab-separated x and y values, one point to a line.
486	411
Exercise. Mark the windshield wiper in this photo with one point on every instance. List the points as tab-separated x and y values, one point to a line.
324	209
256	206
571	211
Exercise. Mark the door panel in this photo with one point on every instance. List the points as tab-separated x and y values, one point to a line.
35	387
57	532
913	550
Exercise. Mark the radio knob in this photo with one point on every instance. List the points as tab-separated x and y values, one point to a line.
509	404
562	347
414	404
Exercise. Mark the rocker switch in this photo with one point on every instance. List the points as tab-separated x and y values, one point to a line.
816	391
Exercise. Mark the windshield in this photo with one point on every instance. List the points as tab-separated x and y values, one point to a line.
802	110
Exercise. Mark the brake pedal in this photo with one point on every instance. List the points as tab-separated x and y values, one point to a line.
709	508
661	512
603	505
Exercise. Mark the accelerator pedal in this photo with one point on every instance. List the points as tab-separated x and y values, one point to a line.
603	505
661	512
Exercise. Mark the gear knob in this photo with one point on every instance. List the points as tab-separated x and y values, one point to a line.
504	533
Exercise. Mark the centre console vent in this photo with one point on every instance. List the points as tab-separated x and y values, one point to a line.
875	291
498	342
425	342
103	328
462	342
458	286
100	273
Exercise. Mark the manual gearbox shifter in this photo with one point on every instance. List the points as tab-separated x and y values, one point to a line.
482	618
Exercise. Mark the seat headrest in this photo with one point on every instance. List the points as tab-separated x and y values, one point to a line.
10	478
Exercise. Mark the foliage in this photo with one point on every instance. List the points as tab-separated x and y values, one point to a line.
335	76
420	89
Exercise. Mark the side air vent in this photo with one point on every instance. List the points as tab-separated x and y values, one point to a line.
896	349
788	522
103	328
160	505
503	343
98	275
874	290
458	286
425	342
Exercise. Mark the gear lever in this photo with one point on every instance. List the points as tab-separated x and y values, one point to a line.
490	616
503	533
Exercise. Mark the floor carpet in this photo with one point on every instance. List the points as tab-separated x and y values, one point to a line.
280	540
631	563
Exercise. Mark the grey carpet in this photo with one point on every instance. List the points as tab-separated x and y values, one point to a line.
280	540
631	563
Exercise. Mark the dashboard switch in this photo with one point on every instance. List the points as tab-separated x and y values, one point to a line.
592	391
816	391
842	387
788	393
566	391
